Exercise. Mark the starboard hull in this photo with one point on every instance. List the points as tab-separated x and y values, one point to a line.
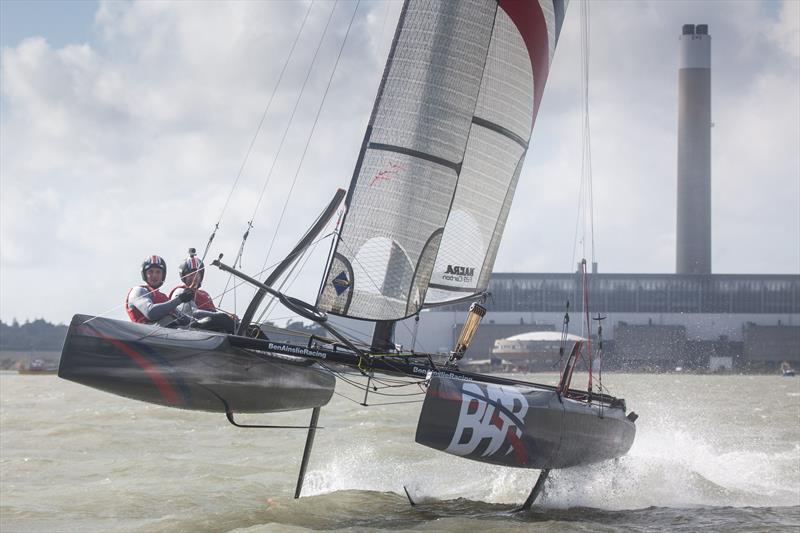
526	427
188	369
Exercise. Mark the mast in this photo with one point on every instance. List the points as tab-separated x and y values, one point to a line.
383	336
296	252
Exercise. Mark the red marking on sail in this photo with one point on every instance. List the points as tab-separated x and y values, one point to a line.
161	382
528	17
386	173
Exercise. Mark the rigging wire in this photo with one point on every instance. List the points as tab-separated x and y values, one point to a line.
584	224
586	198
313	128
252	143
586	160
282	141
287	283
267	268
295	178
585	210
352	381
258	131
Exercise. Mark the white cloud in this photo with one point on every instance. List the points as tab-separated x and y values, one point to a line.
787	31
130	146
113	153
633	83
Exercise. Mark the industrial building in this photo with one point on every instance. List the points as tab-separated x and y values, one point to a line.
652	321
535	351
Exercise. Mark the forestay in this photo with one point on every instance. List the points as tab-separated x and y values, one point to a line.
441	155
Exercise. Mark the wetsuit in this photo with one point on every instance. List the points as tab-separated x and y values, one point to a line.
203	311
202	300
147	305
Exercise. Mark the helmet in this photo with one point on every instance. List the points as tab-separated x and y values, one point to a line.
151	262
192	264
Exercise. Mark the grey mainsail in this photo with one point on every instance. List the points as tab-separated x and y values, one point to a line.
441	155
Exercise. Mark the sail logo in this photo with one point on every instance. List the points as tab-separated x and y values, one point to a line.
459	274
295	350
341	283
492	418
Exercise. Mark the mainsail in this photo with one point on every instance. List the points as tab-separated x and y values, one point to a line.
441	155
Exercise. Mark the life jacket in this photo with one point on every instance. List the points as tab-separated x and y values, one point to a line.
202	299
134	314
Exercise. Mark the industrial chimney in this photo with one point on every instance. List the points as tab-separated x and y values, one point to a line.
693	253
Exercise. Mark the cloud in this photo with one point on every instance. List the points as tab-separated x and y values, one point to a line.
633	106
786	33
130	146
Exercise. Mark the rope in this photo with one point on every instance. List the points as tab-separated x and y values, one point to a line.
283	138
314	126
587	321
255	136
286	283
584	224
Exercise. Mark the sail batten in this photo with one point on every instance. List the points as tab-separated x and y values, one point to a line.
455	166
441	156
497	128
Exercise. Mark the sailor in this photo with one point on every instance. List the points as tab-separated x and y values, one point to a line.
200	307
147	305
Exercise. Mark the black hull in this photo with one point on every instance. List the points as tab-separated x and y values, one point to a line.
188	369
526	427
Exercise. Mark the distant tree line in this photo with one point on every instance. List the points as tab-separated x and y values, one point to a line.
38	335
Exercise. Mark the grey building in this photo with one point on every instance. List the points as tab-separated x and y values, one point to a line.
694	151
651	320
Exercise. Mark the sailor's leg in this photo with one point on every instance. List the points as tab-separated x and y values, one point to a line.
215	321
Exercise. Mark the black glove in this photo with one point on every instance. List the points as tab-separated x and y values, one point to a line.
186	296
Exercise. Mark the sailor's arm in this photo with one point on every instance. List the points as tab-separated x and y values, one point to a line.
140	298
188	308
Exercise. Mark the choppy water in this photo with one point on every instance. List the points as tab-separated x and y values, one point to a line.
711	452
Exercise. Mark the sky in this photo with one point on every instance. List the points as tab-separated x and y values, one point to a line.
124	126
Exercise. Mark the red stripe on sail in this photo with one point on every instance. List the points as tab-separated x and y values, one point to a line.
528	17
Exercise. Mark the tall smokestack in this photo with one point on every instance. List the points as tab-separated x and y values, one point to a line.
693	253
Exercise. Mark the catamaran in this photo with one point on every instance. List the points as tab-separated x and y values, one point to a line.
423	218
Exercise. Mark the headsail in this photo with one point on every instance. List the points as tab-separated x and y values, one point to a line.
441	155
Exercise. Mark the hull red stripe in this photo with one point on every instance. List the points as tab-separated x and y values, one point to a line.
159	380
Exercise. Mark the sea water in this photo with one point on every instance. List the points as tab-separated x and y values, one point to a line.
711	452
